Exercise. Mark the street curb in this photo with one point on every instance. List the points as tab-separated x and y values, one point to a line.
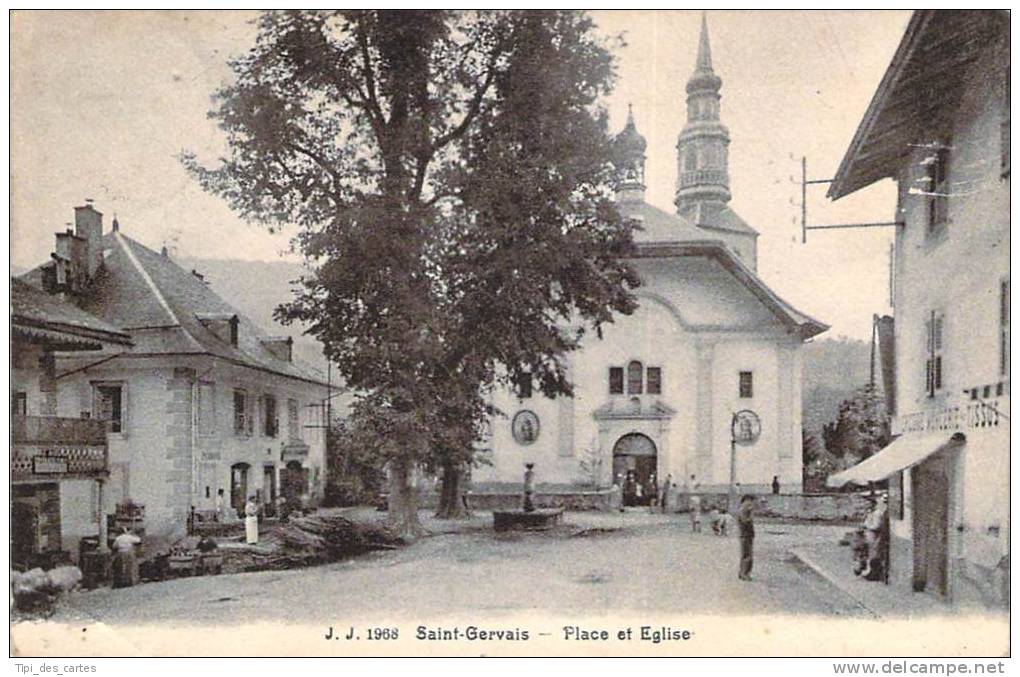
820	571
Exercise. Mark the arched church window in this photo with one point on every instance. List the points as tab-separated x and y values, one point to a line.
635	378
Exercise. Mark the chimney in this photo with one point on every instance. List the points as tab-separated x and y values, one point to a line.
282	347
88	225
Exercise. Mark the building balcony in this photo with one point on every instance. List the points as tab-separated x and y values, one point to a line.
701	177
48	448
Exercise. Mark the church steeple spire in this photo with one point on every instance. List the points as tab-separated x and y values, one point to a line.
629	158
702	177
704	48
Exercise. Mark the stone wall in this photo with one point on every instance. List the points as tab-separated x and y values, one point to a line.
808	507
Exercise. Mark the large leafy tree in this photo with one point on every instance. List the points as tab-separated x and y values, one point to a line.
450	176
860	430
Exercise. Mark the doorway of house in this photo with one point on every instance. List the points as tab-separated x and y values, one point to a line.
24	531
635	459
930	484
269	489
239	486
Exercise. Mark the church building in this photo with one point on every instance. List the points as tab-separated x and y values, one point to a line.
657	394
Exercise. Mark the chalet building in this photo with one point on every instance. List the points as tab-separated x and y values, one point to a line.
656	394
203	400
58	465
939	126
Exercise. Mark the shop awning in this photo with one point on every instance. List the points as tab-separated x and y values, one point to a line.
903	452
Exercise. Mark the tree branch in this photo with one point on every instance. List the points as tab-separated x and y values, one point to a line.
474	107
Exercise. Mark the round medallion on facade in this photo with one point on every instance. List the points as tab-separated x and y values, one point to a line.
746	427
525	427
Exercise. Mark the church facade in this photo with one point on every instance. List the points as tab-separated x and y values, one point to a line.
656	395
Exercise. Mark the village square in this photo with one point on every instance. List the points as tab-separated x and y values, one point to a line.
563	344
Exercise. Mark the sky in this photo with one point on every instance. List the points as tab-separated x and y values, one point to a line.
103	102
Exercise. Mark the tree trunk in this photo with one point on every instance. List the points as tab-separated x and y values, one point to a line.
451	504
403	503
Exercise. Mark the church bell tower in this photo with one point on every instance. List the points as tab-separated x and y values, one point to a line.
702	147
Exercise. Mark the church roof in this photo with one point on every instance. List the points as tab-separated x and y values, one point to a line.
658	225
162	307
721	217
629	141
803	324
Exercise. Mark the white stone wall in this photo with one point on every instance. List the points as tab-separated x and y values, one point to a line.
162	459
701	327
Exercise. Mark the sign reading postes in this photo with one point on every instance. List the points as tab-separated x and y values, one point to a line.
525	427
746	427
49	465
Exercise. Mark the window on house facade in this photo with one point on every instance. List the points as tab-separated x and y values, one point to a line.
243	423
635	378
206	408
937	187
1004	328
654	380
108	405
270	421
746	384
616	380
293	420
524	388
933	365
19	403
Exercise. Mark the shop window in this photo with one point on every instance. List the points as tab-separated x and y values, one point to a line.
243	423
19	403
270	422
933	366
937	187
108	405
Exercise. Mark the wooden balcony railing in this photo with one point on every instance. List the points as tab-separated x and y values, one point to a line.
48	447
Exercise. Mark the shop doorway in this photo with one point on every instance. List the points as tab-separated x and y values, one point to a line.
635	460
930	483
239	486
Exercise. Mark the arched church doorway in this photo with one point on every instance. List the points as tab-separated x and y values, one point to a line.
635	459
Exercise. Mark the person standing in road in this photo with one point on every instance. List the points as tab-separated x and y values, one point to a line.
745	522
664	494
694	503
251	521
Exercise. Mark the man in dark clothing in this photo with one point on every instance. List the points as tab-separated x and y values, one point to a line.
745	520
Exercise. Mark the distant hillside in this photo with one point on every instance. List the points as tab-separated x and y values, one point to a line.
256	288
833	369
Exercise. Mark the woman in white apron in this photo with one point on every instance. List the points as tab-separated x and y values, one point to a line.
251	521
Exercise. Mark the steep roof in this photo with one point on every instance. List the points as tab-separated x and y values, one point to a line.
658	225
160	304
44	317
805	325
721	217
920	88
